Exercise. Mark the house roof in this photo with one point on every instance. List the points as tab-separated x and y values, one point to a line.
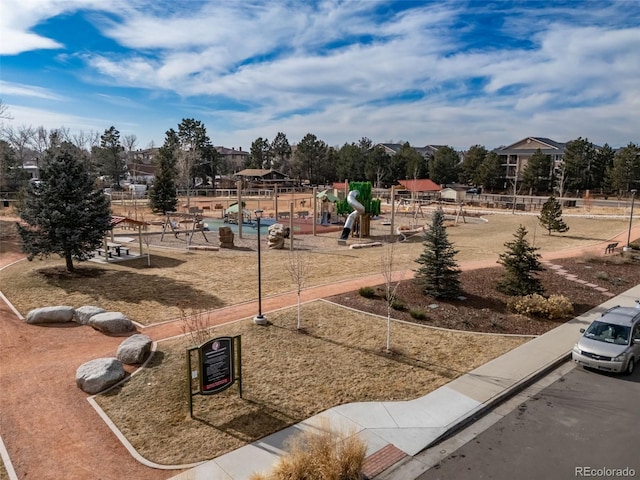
257	172
425	151
231	151
545	144
141	169
118	220
420	185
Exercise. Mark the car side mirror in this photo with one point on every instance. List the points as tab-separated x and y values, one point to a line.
636	341
582	330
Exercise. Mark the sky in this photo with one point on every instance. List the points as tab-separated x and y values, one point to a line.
456	73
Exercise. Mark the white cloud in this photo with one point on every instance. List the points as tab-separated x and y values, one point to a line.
20	16
15	89
569	67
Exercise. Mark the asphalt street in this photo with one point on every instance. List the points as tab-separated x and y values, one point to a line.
585	424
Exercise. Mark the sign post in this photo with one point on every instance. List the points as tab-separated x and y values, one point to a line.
219	366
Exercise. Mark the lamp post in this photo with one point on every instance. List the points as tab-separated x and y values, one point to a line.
259	319
633	197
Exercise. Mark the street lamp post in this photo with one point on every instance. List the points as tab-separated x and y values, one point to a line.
259	319
633	197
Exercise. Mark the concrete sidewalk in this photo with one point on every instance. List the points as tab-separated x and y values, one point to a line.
396	430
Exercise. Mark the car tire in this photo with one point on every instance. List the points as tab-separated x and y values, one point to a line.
630	366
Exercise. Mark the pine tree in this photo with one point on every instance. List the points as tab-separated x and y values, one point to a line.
551	216
439	274
520	262
65	214
162	196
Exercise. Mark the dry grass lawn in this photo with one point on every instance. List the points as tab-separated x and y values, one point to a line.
287	377
209	280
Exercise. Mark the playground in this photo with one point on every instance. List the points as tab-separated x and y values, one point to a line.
284	388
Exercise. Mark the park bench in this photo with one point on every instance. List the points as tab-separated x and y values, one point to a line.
611	247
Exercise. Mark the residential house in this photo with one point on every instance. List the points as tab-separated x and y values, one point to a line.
261	178
234	159
514	158
392	148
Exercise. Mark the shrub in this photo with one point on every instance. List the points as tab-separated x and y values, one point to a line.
398	305
320	454
417	314
367	292
556	306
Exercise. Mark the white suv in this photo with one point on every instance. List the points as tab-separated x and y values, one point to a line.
611	343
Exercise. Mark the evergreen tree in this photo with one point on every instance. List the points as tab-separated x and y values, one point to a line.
439	274
260	154
281	153
162	195
111	156
491	172
520	262
537	174
551	216
443	168
65	214
473	159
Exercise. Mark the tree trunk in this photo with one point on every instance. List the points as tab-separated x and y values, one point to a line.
69	261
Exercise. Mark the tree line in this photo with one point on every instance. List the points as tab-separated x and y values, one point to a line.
187	154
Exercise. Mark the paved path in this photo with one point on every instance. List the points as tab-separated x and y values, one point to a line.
46	423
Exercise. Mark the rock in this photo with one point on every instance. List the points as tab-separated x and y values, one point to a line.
99	374
58	314
134	349
111	322
226	237
276	236
84	313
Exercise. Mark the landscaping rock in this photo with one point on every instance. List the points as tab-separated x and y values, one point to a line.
276	237
57	314
225	235
84	313
134	349
111	322
99	374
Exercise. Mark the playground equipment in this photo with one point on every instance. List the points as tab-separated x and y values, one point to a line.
174	219
232	215
358	209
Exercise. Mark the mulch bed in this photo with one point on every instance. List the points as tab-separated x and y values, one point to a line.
485	309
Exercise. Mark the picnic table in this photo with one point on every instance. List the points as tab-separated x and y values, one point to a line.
112	248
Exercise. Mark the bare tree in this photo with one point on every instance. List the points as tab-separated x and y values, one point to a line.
298	265
4	111
20	140
129	142
196	325
390	287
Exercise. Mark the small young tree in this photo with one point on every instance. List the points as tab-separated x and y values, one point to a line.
439	274
298	267
64	213
520	262
551	216
390	287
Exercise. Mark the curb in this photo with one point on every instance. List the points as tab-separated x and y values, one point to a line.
474	415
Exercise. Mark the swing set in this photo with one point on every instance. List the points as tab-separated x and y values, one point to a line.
174	219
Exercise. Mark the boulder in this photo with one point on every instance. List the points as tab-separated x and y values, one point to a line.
225	235
276	236
84	313
111	322
58	314
134	349
99	374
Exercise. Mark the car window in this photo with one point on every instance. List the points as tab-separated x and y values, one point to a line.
636	331
608	333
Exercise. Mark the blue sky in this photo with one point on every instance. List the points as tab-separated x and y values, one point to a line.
428	72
